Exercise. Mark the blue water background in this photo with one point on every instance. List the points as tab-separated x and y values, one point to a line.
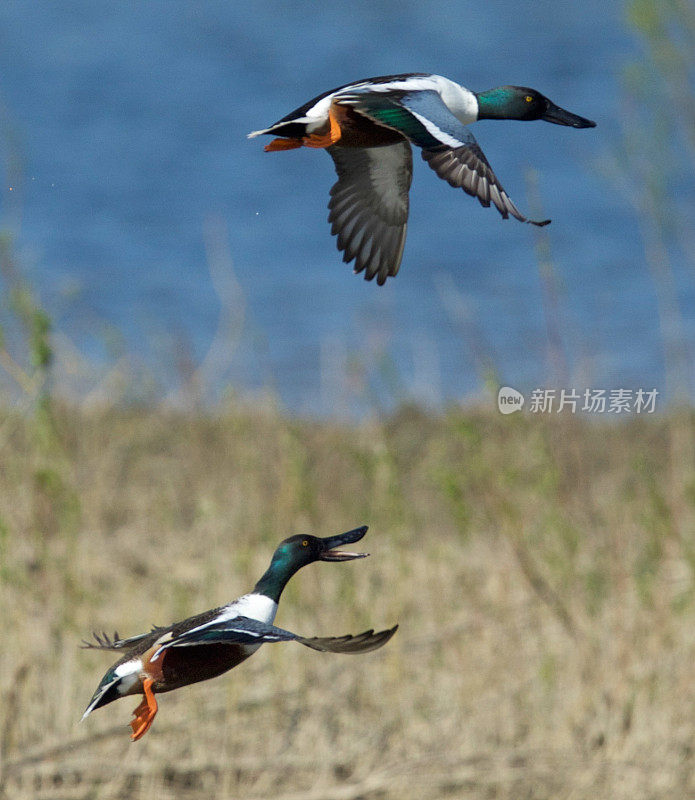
130	122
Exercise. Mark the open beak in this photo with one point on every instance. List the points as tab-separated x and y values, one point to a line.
330	542
559	116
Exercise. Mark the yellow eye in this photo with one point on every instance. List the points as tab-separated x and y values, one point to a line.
305	543
528	98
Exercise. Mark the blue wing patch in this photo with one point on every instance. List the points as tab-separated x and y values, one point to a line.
422	116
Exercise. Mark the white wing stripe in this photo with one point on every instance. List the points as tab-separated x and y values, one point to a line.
437	132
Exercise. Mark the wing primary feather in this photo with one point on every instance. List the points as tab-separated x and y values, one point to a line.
361	643
467	168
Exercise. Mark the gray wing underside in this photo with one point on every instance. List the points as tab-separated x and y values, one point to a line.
243	630
447	145
368	209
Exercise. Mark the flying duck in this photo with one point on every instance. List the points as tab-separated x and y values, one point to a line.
208	644
367	128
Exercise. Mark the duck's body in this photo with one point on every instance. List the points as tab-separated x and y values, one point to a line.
368	127
208	644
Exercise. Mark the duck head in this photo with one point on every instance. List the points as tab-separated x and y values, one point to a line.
520	102
302	550
296	552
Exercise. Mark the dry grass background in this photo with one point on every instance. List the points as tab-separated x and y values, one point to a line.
542	571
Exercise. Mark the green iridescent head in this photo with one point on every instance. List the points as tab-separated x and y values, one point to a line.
520	102
296	552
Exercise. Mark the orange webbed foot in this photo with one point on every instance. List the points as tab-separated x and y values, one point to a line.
145	712
283	144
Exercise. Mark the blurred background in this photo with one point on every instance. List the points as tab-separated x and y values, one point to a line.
163	243
189	374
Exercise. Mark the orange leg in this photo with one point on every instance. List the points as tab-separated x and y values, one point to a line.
326	139
145	712
314	140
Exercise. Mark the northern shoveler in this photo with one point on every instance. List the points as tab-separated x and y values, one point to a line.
213	642
367	128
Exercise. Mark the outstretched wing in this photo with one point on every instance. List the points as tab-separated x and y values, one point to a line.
369	206
467	168
447	145
361	643
243	630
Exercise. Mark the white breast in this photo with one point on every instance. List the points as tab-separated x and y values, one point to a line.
255	606
462	103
